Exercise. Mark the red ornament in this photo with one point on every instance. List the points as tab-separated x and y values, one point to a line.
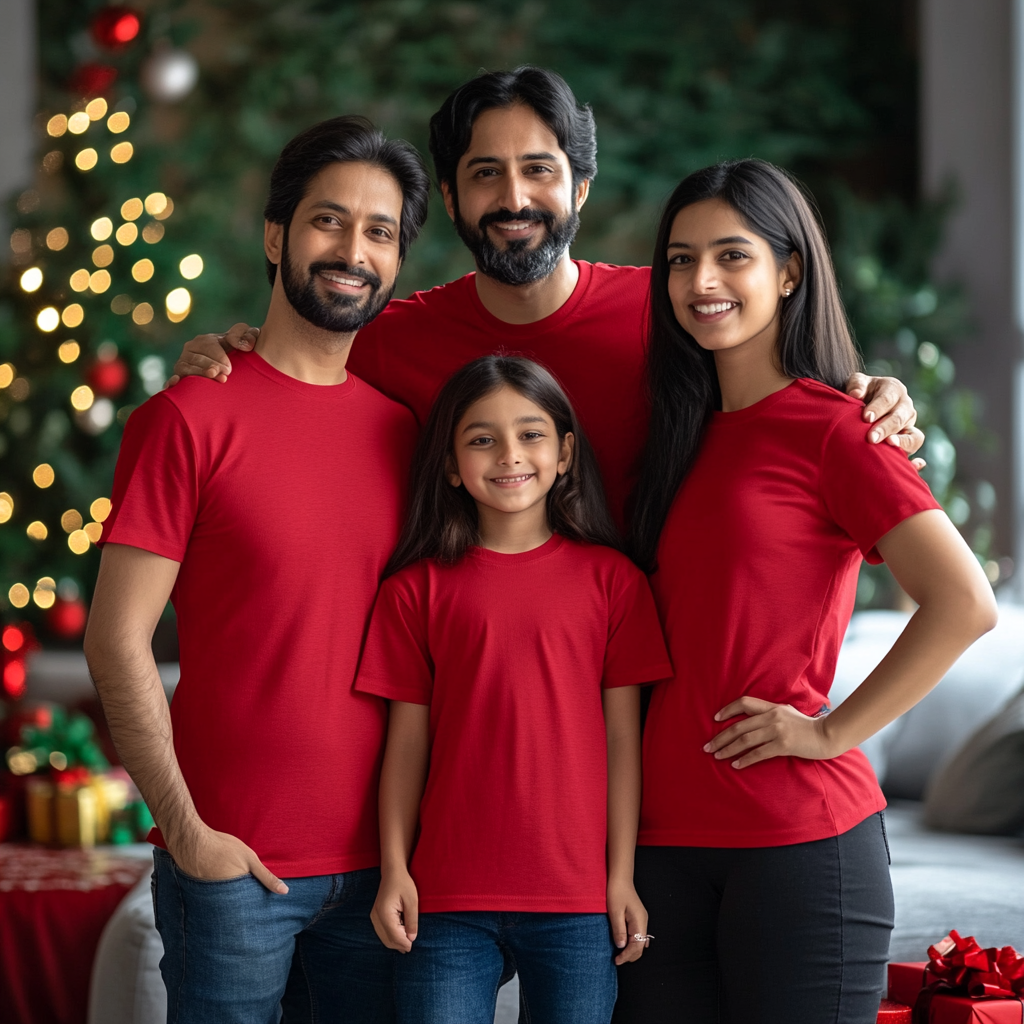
17	641
93	79
108	377
115	27
67	618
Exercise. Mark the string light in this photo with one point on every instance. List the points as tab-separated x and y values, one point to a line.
143	270
191	267
69	351
93	531
126	234
101	228
71	520
57	239
143	313
6	506
79	280
122	152
37	530
131	209
6	375
96	109
48	319
79	542
86	160
156	202
82	397
43	475
73	315
99	282
31	279
178	302
100	509
18	595
121	304
103	255
166	211
57	125
21	241
45	593
78	123
19	389
153	232
118	122
53	161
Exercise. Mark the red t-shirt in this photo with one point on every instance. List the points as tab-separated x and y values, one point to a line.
282	501
593	344
757	574
511	653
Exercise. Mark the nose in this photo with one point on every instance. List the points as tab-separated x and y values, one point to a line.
513	196
348	247
705	277
509	453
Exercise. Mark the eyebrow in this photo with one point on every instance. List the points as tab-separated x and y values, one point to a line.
496	160
519	419
731	240
326	204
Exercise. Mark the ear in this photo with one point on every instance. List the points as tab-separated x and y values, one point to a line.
565	453
273	240
792	274
582	191
452	473
449	202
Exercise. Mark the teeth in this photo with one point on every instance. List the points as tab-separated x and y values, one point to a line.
517	226
714	307
355	282
512	479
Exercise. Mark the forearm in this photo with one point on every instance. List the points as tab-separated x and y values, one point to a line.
622	717
403	778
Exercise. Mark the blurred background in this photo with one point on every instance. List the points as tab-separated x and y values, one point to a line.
137	142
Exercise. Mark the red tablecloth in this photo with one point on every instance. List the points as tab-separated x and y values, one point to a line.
53	907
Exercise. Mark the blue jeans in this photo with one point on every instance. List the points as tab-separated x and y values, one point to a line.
234	952
459	960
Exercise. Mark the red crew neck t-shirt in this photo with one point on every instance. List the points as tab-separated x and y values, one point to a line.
757	575
282	501
593	344
511	653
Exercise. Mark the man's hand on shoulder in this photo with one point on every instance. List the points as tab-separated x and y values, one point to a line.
890	410
206	355
213	856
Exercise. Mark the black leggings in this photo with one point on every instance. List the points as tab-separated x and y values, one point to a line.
772	935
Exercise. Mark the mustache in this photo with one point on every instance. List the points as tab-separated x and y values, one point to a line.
343	268
528	213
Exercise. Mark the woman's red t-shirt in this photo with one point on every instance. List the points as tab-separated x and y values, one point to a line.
511	652
756	581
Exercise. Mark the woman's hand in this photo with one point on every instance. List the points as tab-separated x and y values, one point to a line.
627	917
769	730
396	911
206	354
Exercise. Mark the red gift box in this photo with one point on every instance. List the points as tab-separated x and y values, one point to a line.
906	982
891	1012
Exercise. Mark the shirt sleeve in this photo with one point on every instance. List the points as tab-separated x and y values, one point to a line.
868	488
155	497
396	661
636	651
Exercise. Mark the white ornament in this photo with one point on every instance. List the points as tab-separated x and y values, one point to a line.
169	75
97	417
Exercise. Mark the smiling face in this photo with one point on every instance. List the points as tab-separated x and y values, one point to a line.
515	206
508	455
724	283
339	257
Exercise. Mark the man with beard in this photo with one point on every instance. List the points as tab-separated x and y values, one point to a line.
267	519
515	154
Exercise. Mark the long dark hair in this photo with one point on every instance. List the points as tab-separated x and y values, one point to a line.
814	335
442	521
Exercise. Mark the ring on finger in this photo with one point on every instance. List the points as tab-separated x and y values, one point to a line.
641	938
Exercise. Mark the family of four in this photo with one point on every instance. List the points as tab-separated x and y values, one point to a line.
404	761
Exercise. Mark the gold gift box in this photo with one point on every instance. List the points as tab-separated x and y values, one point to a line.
74	815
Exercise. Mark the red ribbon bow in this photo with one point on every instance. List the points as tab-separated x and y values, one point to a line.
961	965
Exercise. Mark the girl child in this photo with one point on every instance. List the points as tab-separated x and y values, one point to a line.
762	856
510	637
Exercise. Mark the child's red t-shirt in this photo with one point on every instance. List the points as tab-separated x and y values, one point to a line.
511	652
756	581
282	501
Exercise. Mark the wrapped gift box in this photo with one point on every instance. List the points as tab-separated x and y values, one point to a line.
75	809
907	980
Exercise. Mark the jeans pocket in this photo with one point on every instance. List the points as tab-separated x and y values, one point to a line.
181	873
885	837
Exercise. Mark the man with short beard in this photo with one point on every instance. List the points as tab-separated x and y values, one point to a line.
267	519
515	155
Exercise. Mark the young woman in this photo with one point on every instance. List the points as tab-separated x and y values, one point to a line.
509	637
762	855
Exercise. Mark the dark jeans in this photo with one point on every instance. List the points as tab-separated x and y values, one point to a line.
773	935
564	962
232	949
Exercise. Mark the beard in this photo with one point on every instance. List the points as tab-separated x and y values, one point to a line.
340	314
517	264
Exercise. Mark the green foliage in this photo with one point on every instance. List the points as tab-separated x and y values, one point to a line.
826	90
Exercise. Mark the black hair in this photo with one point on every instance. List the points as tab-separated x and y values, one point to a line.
443	521
815	339
347	139
544	91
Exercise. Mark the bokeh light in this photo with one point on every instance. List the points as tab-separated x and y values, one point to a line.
156	202
103	255
191	267
19	389
71	520
121	304
45	593
122	152
167	210
79	542
153	232
93	531
96	109
6	506
37	530
48	319
82	397
100	509
127	233
131	209
79	280
69	351
43	475
99	282
57	239
118	122
142	270
57	125
73	315
31	279
6	375
101	228
18	595
143	313
86	160
178	302
78	123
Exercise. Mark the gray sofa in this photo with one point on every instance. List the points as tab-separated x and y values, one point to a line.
941	881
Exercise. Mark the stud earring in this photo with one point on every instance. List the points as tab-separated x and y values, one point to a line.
789	291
